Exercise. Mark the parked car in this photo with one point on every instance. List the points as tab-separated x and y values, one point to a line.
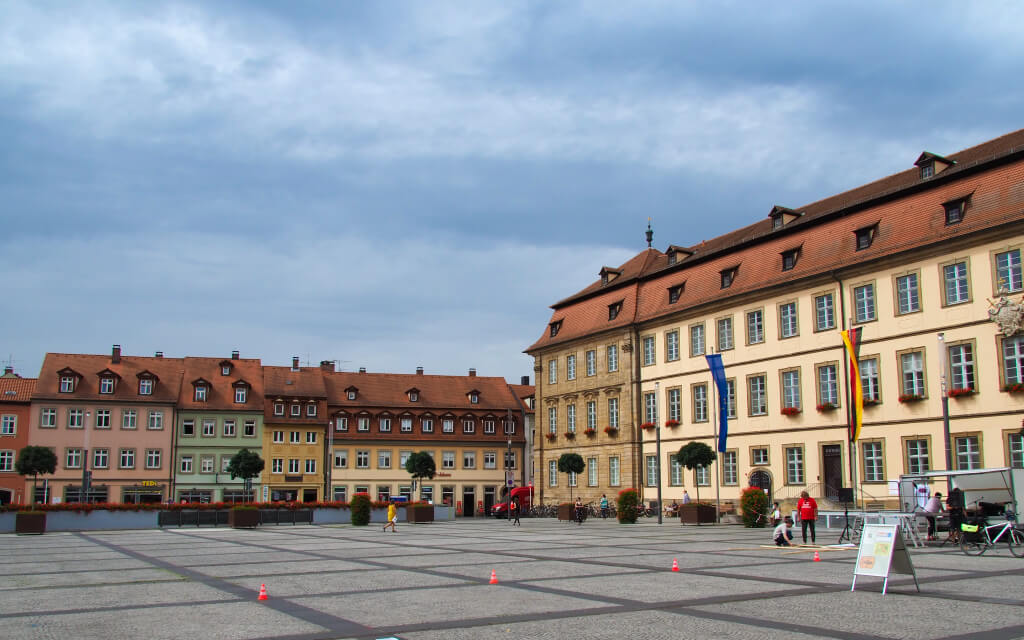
521	494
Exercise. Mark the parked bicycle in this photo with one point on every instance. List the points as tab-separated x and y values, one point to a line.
977	535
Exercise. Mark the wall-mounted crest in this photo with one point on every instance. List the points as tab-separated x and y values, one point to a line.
1008	315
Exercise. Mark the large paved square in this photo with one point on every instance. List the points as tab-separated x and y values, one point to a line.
555	580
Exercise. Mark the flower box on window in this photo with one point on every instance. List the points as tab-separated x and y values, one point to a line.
612	431
827	406
570	434
870	402
590	432
550	436
910	398
671	423
647	425
790	411
1015	387
959	393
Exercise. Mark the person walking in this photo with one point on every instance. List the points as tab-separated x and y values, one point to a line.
579	511
686	497
392	517
776	515
807	509
604	506
514	510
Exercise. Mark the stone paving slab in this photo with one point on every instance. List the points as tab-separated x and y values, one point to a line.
284	567
106	596
286	586
90	578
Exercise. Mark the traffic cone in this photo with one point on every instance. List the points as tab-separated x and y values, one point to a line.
263	592
675	565
494	577
817	558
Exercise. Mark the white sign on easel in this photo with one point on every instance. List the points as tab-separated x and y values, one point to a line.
881	552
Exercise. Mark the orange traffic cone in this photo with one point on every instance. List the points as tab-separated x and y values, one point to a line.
817	558
263	592
675	565
494	577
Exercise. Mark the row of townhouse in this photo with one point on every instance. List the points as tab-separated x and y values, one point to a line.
922	261
155	429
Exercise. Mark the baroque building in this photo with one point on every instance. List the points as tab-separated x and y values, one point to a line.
915	260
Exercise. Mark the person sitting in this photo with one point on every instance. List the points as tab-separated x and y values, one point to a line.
783	534
671	509
933	507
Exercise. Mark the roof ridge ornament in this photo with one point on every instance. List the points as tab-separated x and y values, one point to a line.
649	233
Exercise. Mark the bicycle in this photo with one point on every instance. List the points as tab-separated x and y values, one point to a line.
976	537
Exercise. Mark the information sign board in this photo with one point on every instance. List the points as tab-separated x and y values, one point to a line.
881	552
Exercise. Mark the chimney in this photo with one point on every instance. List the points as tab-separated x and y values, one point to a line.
419	371
8	370
295	363
234	355
158	354
362	369
115	357
525	381
472	373
327	365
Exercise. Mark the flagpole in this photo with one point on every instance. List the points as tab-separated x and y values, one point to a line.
851	416
718	454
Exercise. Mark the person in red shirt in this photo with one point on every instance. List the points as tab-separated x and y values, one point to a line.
807	509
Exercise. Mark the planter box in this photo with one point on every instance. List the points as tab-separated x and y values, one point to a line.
566	512
416	513
696	514
243	518
29	523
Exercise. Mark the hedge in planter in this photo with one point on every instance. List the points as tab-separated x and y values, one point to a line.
627	505
754	507
247	516
360	506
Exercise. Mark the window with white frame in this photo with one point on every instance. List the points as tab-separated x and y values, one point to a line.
225	462
794	465
448	425
591	362
383	458
672	345
427	425
788	326
294	465
48	418
67	384
552	473
106	385
613	413
702	476
613	358
241	395
700	402
675	409
961	366
650	407
76	418
917	456
385	425
591	472
249	429
864	303
869	379
311	437
156	420
828	385
209	428
469	460
294	437
591	415
759	455
73	459
406	425
277	465
489	426
696	340
552	420
278	437
730	398
229	429
8	424
730	472
341	458
755	326
570	367
200	393
1008	272
955	286
510	426
100	458
490	460
874	469
129	419
791	389
1015	450
912	373
614	474
469	426
968	452
1013	360
153	458
824	312
6	460
146	387
127	459
206	464
296	412
725	341
552	371
311	410
362	459
363	424
103	418
186	464
675	472
648	350
908	298
570	418
572	479
278	408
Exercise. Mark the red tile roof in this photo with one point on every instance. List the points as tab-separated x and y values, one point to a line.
436	393
221	392
907	209
165	391
17	389
307	382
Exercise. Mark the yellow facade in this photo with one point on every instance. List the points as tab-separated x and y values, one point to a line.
294	464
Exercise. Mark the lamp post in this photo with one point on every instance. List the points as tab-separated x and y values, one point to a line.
86	475
657	437
508	480
943	355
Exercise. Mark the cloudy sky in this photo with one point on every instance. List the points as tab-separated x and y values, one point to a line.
403	184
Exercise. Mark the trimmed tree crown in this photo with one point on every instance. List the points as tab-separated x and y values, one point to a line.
421	465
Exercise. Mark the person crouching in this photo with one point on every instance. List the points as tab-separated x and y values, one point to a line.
783	533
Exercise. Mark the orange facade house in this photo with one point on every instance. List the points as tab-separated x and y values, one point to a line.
15	409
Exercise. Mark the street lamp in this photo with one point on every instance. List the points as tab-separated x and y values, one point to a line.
509	482
943	355
657	436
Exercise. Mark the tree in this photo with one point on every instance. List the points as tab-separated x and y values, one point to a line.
420	465
571	463
35	460
246	465
694	455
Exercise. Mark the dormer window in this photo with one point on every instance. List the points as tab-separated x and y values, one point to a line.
929	164
351	392
927	170
241	394
865	236
200	393
351	395
67	384
474	398
608	274
789	259
106	385
278	408
414	395
614	309
146	387
296	410
225	370
311	410
728	275
781	216
675	292
955	210
777	222
675	254
555	327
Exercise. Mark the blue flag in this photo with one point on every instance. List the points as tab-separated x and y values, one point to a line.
718	373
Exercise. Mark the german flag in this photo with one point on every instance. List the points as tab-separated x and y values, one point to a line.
851	340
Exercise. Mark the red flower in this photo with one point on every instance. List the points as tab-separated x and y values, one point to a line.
671	423
647	425
550	436
956	393
826	406
570	434
588	431
790	411
910	397
611	430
